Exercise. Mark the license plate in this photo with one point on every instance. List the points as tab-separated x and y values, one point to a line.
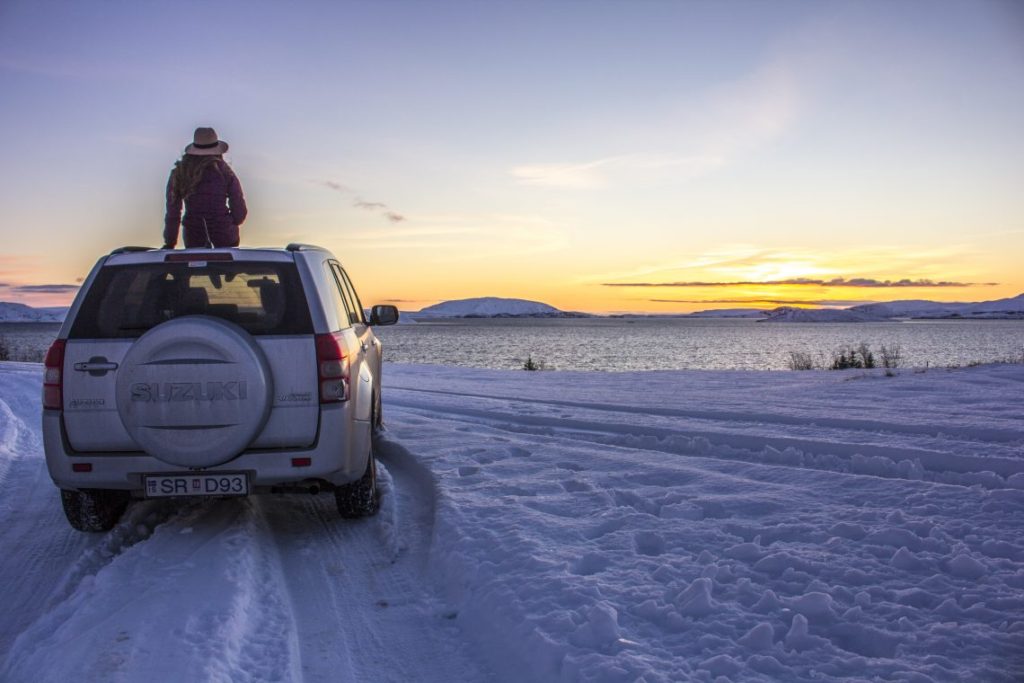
165	485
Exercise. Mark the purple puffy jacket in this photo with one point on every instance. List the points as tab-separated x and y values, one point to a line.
215	208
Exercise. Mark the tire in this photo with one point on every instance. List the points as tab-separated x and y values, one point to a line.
360	498
378	420
94	509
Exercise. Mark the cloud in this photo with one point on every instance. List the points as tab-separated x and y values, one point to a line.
369	206
773	302
801	281
45	289
360	203
595	174
337	187
702	135
575	176
460	237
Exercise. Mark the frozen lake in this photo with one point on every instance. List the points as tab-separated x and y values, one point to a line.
621	344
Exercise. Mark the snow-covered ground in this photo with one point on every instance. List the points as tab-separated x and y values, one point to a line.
547	526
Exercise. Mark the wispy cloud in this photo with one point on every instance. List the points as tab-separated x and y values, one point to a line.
369	206
337	187
773	302
800	281
577	176
702	136
360	203
45	289
458	237
39	295
744	265
595	174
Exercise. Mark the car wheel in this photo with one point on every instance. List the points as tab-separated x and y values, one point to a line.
378	420
360	498
93	509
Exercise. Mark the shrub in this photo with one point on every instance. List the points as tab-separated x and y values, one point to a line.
892	356
800	360
844	359
864	355
530	365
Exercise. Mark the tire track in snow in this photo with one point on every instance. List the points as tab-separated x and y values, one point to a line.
742	414
199	599
837	454
363	604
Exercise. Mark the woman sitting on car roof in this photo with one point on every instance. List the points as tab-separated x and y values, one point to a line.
211	193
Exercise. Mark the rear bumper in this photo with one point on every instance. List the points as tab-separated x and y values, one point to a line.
339	456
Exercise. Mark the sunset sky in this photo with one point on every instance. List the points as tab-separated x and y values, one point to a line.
600	156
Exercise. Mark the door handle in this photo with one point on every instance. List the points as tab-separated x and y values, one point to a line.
96	366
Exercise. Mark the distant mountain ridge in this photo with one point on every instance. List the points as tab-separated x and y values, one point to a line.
917	309
493	307
20	313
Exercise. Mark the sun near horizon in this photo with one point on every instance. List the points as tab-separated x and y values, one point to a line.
600	157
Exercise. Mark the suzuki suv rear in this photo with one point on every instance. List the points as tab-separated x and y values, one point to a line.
213	372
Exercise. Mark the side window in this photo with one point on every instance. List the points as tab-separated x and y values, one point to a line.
339	298
355	297
349	305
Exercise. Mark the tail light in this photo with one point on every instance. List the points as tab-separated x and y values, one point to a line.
332	368
53	376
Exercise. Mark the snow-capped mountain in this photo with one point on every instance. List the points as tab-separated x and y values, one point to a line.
20	313
915	308
492	307
1000	309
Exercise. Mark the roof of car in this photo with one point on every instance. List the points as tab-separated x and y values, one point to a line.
139	255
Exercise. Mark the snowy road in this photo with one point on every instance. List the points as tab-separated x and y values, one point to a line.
264	589
562	527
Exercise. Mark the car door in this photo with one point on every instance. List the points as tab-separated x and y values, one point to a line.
360	371
369	342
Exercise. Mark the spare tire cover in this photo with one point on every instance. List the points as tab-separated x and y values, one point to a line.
194	391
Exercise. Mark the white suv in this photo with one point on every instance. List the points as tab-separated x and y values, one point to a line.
213	372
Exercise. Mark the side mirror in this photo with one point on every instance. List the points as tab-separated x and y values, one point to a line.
383	315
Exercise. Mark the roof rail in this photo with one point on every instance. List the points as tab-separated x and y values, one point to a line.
298	246
129	250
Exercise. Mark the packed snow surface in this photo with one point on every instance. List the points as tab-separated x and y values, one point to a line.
554	526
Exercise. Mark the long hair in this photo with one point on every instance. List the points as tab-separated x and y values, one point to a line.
188	171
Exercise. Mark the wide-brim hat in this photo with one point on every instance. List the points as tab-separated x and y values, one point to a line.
205	142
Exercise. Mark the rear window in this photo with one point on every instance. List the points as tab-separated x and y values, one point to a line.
125	301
